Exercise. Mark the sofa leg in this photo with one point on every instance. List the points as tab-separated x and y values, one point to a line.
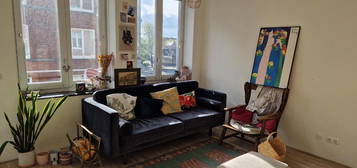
223	134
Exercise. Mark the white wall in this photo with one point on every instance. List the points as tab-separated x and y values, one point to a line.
53	136
323	83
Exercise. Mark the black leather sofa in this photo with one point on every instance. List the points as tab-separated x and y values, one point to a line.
120	137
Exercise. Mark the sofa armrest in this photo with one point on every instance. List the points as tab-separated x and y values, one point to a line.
211	99
105	123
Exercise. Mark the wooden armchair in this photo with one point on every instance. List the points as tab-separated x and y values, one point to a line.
254	138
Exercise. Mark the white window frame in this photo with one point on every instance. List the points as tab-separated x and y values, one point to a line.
83	44
65	49
81	9
158	38
27	41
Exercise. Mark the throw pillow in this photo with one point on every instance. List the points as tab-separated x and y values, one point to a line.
123	103
171	100
242	115
188	100
148	107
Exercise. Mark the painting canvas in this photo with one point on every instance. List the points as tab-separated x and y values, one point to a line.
274	56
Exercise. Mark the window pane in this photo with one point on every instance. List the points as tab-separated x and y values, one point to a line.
146	58
41	39
85	42
75	4
170	36
87	4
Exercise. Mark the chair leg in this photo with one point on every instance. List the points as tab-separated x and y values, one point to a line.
210	132
223	134
257	142
256	146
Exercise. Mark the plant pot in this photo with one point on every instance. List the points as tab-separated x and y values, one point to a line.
26	159
42	158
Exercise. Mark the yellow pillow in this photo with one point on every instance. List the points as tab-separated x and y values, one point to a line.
171	100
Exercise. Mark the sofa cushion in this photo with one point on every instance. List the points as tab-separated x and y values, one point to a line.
210	103
147	130
187	100
171	100
199	117
148	108
123	103
242	115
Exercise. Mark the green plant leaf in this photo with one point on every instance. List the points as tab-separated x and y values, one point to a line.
31	121
2	147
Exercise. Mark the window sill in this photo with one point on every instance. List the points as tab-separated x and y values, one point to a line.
60	94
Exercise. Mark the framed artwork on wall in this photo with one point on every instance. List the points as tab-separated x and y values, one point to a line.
274	56
127	77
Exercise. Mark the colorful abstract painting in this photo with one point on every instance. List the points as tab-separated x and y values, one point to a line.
274	56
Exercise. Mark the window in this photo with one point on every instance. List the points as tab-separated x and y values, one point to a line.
77	39
82	5
160	35
25	35
54	54
86	41
83	43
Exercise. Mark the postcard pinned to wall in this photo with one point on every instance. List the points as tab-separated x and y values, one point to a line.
127	38
128	13
274	56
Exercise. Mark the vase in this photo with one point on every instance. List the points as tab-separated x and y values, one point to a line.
26	159
42	158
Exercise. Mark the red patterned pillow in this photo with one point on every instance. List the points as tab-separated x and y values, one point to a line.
242	115
187	100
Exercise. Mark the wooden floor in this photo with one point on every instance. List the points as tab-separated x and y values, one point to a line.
295	158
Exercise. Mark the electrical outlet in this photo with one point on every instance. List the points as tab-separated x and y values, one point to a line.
329	139
333	140
336	141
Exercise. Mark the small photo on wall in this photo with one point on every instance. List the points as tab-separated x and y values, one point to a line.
127	38
132	11
125	7
123	17
124	56
131	19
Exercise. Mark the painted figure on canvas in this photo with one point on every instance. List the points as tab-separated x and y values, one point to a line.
271	55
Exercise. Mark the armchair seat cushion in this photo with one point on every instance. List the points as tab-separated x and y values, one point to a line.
245	128
148	130
242	115
242	120
197	117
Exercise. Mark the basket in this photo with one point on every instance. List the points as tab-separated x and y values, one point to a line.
86	147
273	148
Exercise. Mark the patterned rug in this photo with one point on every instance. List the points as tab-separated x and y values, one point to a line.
207	154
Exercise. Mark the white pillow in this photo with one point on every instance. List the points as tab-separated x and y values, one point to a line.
123	103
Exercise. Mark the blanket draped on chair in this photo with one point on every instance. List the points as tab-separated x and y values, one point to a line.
264	101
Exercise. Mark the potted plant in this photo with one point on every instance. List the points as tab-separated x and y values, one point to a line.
31	122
